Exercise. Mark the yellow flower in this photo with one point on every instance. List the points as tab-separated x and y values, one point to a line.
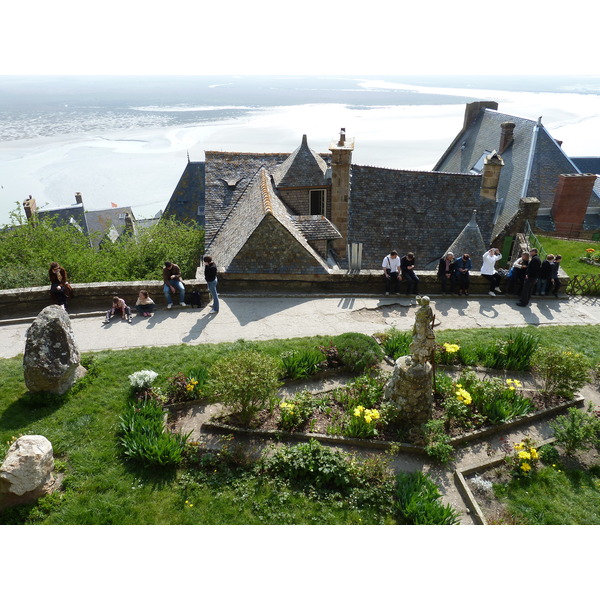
451	348
358	411
519	446
524	455
534	453
526	467
464	396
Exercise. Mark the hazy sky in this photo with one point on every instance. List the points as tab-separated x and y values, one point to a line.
195	37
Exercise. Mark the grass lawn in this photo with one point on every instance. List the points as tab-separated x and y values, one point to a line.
571	251
100	487
555	496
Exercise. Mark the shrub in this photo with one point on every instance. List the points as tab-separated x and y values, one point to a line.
299	364
549	454
365	390
417	501
311	464
143	437
577	430
437	441
358	352
562	372
245	383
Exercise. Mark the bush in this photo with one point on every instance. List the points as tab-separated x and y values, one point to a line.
143	437
437	441
296	412
396	343
512	353
577	430
358	352
549	454
311	464
418	501
299	364
245	383
562	372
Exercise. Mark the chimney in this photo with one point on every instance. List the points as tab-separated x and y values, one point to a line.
472	110
78	198
506	137
492	165
571	200
30	207
341	160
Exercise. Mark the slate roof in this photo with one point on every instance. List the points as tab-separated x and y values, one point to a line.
302	168
259	213
188	199
471	241
532	162
315	227
419	211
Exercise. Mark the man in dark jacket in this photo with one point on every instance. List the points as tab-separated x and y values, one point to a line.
532	274
172	283
210	275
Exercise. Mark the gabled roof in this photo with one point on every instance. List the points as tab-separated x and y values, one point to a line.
412	211
109	221
470	241
303	168
532	162
188	199
259	216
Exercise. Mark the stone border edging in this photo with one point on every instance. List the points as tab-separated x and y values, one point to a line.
465	491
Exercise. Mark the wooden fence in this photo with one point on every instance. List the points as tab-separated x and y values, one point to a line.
584	285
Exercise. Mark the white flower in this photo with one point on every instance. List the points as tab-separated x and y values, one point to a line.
142	379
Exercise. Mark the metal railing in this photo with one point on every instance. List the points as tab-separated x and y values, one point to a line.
533	241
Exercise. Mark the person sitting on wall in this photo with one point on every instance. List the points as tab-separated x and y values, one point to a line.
462	267
555	282
407	266
391	272
60	288
172	281
446	271
488	270
517	274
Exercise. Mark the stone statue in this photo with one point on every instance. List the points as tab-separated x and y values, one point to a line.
423	345
410	389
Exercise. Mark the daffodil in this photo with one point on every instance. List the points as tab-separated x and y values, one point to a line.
524	455
526	467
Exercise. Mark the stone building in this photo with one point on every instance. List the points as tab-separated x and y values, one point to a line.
298	213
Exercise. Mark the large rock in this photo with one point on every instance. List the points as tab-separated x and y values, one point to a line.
51	360
26	473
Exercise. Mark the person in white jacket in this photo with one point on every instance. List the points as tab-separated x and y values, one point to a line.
488	270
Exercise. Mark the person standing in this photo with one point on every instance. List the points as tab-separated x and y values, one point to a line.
543	282
531	276
407	267
391	272
172	281
59	284
446	271
488	270
210	275
555	282
463	266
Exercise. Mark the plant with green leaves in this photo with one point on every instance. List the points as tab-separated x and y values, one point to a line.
358	352
437	441
365	390
577	430
363	423
524	458
296	412
245	383
561	372
144	438
500	401
417	501
300	364
395	343
512	352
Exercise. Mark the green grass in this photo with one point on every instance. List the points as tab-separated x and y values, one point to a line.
554	496
571	251
101	487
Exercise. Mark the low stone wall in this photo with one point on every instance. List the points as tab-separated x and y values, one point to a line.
97	296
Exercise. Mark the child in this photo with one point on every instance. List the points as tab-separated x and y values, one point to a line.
144	304
118	305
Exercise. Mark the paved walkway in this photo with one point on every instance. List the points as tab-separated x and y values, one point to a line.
256	318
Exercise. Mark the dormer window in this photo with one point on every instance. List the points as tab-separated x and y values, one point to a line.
317	202
478	166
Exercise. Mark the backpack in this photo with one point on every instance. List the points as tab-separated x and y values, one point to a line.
195	298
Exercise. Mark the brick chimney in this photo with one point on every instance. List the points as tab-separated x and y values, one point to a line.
492	165
341	160
30	207
571	200
506	137
78	198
